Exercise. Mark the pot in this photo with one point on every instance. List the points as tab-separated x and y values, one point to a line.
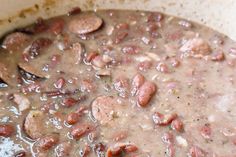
217	14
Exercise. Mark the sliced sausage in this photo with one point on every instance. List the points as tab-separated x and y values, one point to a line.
103	108
163	120
28	68
80	130
34	124
196	47
6	130
22	102
84	24
5	75
145	93
15	40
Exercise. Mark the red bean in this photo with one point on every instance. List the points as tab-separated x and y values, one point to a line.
80	130
120	36
91	56
219	56
163	120
168	138
130	148
145	65
38	45
162	67
59	83
206	131
47	142
177	125
69	102
145	93
170	151
196	152
138	80
6	130
57	26
72	118
74	11
131	49
155	17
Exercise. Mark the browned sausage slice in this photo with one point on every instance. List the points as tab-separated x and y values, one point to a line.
32	70
5	75
85	23
14	40
103	108
33	124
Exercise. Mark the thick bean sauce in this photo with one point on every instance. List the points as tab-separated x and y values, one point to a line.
117	83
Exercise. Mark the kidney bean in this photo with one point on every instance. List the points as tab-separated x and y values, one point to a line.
69	102
15	40
99	149
168	138
155	17
6	130
177	125
73	118
90	56
120	36
130	49
59	83
80	130
119	148
74	11
175	62
219	56
122	26
196	152
98	62
170	150
47	142
39	27
206	131
163	120
145	93
137	82
145	65
162	67
130	148
38	45
57	26
85	152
